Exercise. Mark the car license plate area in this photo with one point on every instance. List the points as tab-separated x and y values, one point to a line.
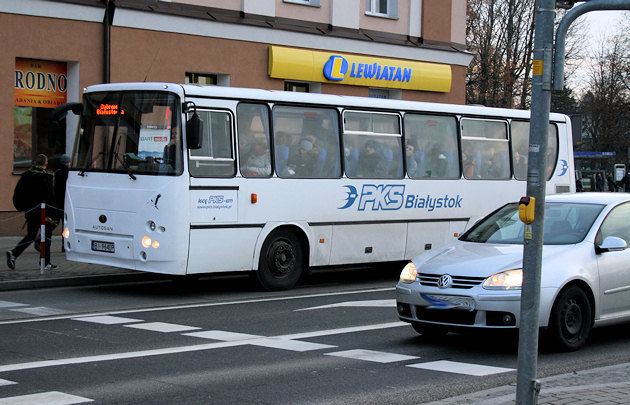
99	246
438	301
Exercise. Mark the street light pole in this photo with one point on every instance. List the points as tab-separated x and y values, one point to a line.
527	387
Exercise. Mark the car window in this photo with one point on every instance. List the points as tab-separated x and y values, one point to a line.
565	223
616	224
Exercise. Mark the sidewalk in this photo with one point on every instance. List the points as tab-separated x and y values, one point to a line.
27	273
604	385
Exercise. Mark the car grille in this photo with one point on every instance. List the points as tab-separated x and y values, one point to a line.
462	282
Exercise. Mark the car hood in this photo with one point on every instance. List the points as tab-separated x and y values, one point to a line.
478	259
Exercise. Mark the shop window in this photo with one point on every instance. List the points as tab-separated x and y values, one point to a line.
382	8
39	87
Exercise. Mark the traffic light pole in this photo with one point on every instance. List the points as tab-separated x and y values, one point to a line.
528	387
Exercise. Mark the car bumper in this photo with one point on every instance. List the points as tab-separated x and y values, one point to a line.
474	308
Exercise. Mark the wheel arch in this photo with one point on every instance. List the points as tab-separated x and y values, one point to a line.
300	230
584	286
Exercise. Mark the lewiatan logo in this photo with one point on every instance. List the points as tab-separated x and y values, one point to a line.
337	67
391	197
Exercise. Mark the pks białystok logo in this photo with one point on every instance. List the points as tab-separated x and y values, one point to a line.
391	197
564	166
336	68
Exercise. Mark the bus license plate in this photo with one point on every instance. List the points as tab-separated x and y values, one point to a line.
99	246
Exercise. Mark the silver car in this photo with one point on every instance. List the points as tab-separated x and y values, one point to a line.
475	282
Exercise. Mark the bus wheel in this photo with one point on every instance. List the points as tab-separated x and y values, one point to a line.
281	261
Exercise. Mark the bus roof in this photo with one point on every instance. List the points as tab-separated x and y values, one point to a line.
239	93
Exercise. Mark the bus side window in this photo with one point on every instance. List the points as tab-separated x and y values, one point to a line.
485	149
431	146
519	131
306	142
215	158
253	140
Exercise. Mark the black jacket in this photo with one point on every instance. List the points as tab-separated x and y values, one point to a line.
37	189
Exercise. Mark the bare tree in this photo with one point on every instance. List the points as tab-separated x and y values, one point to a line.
606	105
500	34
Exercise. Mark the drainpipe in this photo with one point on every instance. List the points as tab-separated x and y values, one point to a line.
108	19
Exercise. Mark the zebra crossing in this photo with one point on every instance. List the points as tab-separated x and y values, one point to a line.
221	339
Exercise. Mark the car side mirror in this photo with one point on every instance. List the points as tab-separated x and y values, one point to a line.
194	132
612	244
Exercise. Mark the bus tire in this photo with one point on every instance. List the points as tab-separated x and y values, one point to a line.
281	261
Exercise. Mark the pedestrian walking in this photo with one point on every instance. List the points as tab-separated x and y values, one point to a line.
34	187
599	182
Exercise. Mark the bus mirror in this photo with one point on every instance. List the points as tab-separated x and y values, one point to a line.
58	114
194	132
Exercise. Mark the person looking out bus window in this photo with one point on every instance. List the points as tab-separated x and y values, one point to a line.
370	163
303	164
412	165
258	163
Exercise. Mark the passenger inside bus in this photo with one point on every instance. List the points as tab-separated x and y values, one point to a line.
170	150
258	163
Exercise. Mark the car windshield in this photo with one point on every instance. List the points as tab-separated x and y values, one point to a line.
130	132
565	223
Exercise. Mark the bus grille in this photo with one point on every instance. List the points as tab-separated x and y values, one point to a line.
461	282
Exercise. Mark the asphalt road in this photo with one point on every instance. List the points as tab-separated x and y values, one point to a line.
335	339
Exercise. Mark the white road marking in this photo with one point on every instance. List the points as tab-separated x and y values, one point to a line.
371	355
6	382
183	349
223	335
162	327
106	319
40	311
363	304
255	340
45	398
460	368
201	305
9	304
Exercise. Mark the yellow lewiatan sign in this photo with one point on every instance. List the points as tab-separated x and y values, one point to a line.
313	66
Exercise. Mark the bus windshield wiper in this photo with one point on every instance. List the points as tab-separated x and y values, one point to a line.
89	164
125	166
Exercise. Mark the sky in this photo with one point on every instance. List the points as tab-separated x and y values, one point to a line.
599	25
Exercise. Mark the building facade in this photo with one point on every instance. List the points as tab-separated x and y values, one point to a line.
405	49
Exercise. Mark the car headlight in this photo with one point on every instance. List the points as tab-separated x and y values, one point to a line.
506	280
409	273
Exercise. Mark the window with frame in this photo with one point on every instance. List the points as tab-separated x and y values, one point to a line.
520	149
382	8
253	140
297	87
485	149
306	142
312	3
201	78
215	158
372	145
431	149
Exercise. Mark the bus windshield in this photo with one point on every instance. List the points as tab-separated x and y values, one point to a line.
131	132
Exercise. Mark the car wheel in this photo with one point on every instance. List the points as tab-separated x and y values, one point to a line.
571	319
428	330
281	261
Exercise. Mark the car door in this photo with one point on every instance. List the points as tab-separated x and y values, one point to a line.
614	266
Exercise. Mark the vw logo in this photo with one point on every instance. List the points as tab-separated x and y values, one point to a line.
445	281
102	219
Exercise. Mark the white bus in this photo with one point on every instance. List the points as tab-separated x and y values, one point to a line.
185	179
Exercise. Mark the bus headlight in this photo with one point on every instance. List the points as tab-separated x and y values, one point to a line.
66	233
506	280
146	242
155	244
409	273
